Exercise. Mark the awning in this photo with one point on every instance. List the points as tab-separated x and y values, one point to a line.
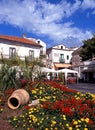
44	69
59	65
67	71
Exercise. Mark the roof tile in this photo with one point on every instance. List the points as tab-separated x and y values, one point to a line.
18	39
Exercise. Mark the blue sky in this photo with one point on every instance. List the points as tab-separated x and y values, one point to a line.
53	21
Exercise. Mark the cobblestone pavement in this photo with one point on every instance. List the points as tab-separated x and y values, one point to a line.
83	87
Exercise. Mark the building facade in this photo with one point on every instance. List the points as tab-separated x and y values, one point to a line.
42	49
11	45
59	57
86	69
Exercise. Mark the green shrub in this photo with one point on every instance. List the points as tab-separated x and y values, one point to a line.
8	77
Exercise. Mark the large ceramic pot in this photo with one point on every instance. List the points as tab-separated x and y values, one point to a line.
18	97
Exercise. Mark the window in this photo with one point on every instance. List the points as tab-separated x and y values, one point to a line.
12	52
61	47
31	54
41	51
61	58
67	57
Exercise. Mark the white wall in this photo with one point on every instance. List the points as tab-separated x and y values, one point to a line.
60	45
43	46
56	54
21	50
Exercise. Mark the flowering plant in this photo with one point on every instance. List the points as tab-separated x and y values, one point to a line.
59	108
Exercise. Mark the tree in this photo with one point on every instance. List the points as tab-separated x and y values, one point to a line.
88	49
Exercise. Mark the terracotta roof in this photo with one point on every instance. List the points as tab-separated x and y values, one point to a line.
19	39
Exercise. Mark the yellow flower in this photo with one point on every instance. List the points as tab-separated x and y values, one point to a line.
64	118
43	99
34	120
77	126
53	122
22	116
30	121
60	123
40	92
70	128
42	119
79	121
34	91
41	122
15	126
1	109
85	128
24	125
46	129
54	117
75	122
30	112
54	97
67	125
82	119
41	87
15	118
87	120
47	97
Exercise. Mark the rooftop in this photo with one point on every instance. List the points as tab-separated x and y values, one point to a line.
19	39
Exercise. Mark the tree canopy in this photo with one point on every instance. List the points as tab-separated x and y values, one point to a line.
88	49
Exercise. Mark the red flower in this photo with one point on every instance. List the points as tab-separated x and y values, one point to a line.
90	122
27	107
67	111
23	82
45	106
9	91
54	106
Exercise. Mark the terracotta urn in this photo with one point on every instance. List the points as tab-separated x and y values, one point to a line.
18	97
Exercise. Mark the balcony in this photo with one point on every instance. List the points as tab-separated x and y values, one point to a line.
61	60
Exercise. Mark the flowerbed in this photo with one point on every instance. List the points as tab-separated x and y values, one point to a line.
59	108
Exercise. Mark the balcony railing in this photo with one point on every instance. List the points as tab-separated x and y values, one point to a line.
61	60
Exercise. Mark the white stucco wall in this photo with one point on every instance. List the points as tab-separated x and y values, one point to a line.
43	44
59	46
21	50
55	54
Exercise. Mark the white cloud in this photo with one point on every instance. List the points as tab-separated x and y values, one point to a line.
86	4
44	18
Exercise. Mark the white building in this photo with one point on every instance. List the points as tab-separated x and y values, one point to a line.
10	45
59	56
42	49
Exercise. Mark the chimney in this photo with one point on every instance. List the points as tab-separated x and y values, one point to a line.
38	42
24	35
